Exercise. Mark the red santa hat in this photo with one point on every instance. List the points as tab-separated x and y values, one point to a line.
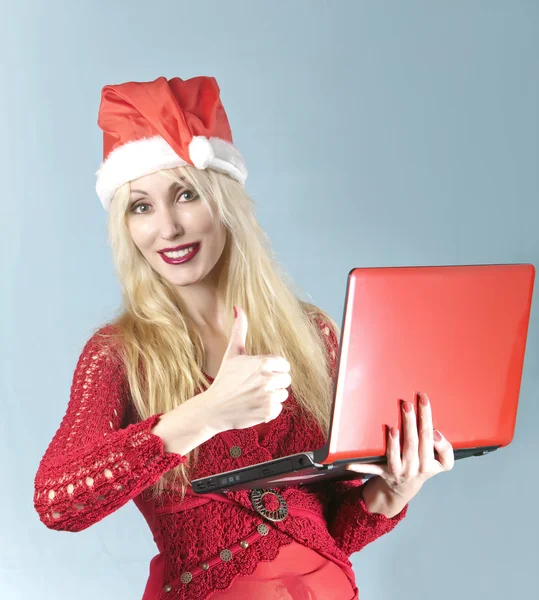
161	124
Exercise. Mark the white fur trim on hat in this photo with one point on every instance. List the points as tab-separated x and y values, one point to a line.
148	155
201	152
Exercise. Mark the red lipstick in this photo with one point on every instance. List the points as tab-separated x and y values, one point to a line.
182	259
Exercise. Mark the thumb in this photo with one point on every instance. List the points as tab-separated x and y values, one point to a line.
238	335
366	468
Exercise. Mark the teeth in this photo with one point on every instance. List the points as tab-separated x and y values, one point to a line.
179	253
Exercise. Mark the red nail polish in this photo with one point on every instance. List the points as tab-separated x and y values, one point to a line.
393	432
423	400
235	313
407	406
437	436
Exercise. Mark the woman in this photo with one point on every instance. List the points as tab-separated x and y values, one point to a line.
176	388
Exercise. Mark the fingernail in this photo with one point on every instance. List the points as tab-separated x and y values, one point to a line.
407	406
235	313
393	432
437	435
423	400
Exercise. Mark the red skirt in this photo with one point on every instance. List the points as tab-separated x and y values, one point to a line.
297	573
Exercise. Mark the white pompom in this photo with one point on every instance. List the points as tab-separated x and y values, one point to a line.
201	152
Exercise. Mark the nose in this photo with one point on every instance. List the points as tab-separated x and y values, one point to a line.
169	223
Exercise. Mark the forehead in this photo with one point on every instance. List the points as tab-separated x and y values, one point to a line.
154	182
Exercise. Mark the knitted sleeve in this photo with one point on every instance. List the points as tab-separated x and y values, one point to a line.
92	465
350	522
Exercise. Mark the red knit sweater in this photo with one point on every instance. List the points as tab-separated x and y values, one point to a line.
101	457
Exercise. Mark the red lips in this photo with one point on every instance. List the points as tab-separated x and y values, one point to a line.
179	247
177	261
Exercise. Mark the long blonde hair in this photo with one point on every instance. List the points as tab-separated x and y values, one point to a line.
161	349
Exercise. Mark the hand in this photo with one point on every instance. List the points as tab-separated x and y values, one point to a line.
405	474
247	390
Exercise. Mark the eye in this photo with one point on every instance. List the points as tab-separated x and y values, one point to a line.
134	209
189	195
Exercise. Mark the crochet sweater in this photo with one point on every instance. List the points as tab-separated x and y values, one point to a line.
101	457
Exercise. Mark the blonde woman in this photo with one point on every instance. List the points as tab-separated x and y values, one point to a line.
213	363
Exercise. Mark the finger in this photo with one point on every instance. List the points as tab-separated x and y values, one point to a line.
279	381
274	412
367	468
446	455
279	395
238	335
410	455
272	363
394	461
426	445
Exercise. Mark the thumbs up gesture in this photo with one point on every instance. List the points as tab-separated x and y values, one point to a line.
247	390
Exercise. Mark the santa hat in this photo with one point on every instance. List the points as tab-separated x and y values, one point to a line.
161	124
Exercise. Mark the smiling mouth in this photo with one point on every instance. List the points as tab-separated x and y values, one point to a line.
180	256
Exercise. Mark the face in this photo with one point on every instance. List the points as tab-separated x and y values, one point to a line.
163	215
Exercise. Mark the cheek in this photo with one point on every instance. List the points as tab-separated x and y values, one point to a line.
141	228
140	234
200	222
217	235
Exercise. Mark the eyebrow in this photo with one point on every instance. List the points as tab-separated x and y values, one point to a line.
174	184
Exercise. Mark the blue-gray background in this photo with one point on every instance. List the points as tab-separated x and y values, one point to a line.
376	133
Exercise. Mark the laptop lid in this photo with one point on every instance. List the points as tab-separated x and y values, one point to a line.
457	333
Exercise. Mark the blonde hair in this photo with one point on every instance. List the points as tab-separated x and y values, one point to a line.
161	349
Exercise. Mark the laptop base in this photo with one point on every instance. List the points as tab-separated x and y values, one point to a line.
297	469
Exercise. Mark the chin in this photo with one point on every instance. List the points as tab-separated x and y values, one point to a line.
185	280
180	281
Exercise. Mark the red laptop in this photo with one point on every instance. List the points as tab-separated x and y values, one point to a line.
457	333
